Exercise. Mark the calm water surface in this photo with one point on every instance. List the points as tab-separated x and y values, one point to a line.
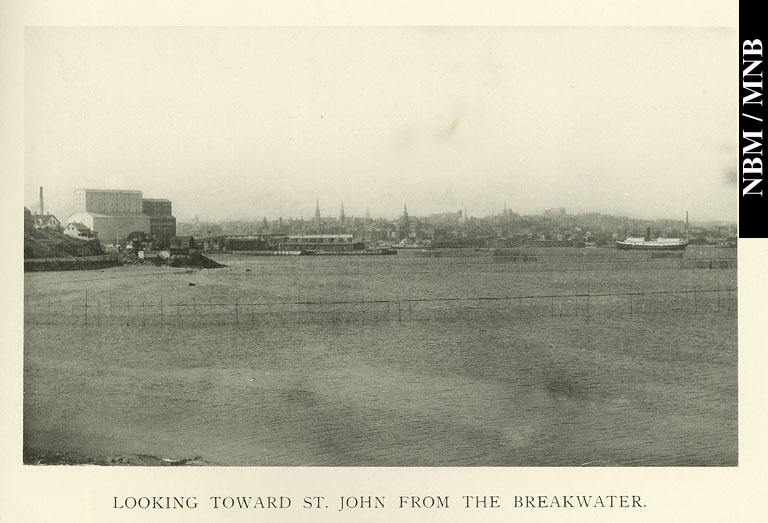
642	389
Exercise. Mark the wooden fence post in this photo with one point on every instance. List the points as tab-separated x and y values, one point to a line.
695	302
587	302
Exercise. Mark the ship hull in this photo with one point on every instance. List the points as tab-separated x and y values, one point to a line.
651	246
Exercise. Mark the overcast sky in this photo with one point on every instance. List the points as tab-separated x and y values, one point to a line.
250	122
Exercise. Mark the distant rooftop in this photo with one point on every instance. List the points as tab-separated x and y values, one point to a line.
157	200
111	215
109	190
79	226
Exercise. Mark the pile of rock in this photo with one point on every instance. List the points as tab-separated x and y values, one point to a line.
128	258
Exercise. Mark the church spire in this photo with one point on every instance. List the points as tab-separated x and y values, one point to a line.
317	209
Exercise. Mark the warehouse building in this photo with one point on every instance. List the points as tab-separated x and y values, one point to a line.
111	214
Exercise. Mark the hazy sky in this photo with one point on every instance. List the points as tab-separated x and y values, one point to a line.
251	122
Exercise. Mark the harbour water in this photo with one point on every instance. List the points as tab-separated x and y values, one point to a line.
648	388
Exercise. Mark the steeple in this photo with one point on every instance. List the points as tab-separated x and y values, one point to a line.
317	210
405	211
342	217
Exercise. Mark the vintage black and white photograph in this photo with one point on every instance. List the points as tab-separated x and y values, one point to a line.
380	246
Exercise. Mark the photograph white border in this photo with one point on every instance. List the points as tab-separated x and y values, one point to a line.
85	493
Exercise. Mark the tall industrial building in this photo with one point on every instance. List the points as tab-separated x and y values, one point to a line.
111	214
162	223
108	201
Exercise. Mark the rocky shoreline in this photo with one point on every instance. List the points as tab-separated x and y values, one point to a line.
35	457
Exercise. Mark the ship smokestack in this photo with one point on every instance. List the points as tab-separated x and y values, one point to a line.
42	209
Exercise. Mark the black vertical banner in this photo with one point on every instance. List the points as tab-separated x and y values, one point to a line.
753	189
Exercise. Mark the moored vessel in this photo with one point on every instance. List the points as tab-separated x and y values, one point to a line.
657	244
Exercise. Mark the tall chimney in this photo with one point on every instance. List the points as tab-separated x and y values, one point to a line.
42	209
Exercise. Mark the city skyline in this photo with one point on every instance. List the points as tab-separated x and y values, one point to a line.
34	208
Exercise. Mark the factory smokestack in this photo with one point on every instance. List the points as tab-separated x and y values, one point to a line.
42	209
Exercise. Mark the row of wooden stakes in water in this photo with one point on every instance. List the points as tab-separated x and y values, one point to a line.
239	311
